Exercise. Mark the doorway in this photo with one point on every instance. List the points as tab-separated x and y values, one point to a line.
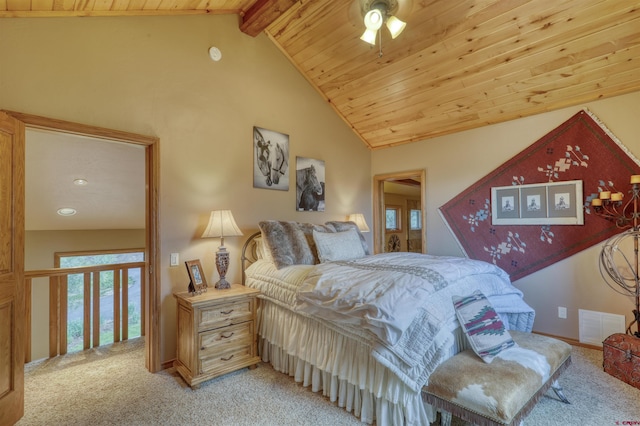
405	228
151	173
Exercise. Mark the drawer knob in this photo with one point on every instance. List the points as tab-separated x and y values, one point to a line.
226	359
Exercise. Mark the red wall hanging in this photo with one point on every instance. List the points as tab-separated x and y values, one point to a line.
581	148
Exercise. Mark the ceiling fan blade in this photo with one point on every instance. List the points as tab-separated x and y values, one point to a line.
355	15
399	8
405	7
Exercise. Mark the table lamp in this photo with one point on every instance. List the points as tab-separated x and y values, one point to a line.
358	219
221	224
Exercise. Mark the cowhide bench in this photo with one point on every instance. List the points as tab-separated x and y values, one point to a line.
503	392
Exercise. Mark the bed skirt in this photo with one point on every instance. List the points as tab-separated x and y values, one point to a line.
318	355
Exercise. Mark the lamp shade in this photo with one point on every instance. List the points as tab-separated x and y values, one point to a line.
221	224
369	36
395	26
373	20
358	219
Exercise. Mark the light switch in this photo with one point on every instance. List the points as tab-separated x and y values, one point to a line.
562	312
175	258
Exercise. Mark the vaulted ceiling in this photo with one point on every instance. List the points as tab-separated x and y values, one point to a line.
458	65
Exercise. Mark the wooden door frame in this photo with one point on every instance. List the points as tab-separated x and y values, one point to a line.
152	235
378	205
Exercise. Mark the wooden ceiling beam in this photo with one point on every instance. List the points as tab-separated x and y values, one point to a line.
262	14
110	13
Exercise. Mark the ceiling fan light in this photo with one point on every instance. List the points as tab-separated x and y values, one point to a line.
373	20
369	36
395	26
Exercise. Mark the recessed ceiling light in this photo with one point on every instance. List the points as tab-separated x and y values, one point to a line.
66	211
80	182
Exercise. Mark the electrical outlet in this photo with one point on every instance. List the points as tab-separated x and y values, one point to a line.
562	312
175	259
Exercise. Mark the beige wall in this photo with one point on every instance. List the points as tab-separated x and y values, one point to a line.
455	162
152	75
39	250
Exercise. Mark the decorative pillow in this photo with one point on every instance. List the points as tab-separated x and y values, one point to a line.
481	324
345	226
307	229
343	245
259	247
262	251
287	243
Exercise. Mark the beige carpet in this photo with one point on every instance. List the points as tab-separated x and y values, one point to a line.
110	386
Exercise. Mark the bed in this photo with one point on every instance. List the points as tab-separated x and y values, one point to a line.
365	330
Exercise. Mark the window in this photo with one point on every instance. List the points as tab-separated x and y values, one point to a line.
392	219
415	219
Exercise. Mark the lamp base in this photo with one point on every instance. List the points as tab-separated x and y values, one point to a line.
222	284
222	264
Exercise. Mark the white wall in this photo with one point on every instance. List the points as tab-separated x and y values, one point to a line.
455	162
153	76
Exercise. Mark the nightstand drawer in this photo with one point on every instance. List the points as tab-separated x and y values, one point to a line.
227	360
222	315
221	339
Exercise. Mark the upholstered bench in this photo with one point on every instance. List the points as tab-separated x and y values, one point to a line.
504	391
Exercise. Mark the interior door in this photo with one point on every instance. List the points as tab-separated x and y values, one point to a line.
11	270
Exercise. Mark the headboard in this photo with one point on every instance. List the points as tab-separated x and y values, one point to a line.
249	253
291	243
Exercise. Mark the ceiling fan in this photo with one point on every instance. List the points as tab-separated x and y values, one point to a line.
378	12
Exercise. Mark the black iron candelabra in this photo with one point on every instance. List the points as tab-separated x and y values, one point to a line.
619	260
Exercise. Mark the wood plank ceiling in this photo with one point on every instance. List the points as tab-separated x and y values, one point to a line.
458	65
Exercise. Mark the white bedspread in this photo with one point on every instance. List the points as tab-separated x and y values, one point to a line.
404	299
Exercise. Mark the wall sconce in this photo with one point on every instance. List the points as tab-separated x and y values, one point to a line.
221	224
358	219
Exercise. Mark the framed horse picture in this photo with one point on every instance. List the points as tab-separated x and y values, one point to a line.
270	159
309	184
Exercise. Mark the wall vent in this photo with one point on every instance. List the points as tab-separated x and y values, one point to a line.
595	326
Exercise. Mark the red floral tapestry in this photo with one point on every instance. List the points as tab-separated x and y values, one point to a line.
581	148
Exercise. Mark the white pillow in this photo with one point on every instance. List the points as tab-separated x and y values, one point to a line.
338	245
262	250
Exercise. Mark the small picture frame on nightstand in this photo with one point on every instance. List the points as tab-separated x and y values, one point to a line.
198	281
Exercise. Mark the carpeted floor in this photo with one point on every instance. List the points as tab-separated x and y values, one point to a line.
110	386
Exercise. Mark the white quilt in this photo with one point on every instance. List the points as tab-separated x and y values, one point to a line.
404	299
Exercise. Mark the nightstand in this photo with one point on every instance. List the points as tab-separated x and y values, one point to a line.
216	333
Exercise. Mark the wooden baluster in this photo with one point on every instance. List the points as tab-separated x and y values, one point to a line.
86	320
54	298
125	303
96	309
116	305
64	311
143	300
27	319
